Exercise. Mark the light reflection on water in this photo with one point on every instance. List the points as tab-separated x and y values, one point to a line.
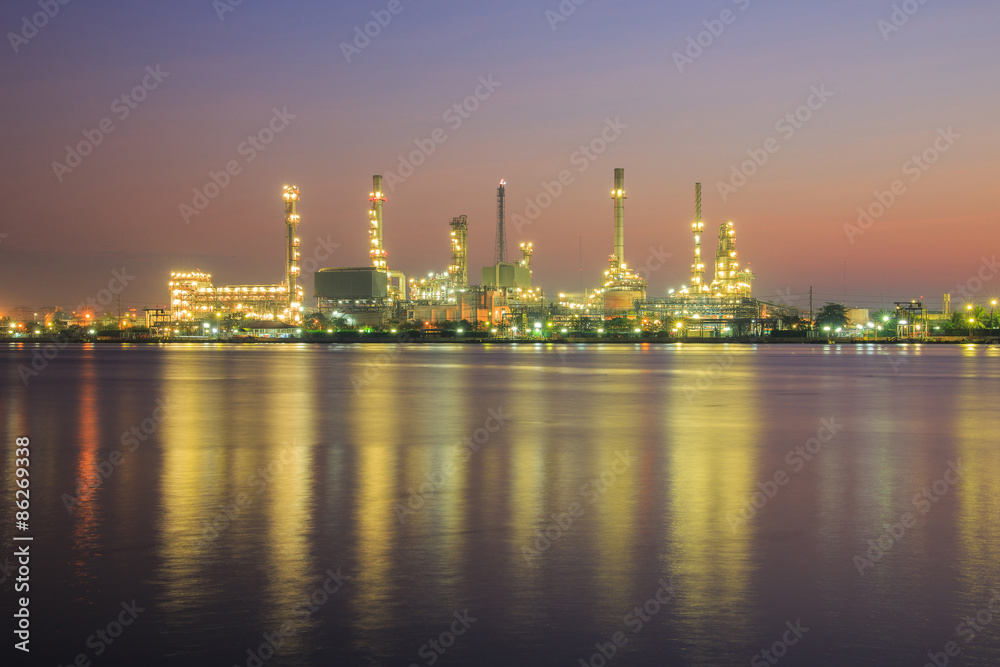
280	464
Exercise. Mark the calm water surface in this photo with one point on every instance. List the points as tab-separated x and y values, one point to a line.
508	505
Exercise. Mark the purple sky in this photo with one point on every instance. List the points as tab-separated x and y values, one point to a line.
894	93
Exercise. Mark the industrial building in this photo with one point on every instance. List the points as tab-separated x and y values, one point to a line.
194	297
620	287
379	294
368	296
723	307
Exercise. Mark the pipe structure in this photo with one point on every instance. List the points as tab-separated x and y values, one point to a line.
697	227
527	250
402	283
290	195
377	198
459	269
618	194
726	262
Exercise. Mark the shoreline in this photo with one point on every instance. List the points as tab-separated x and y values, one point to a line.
466	340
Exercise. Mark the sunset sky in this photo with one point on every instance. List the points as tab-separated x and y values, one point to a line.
890	95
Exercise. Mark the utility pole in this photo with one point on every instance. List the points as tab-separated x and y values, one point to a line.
810	304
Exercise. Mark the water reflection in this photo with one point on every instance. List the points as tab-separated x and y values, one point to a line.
976	428
86	512
712	469
324	469
376	437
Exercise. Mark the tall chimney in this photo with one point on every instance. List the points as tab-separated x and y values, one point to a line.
290	195
501	246
697	227
618	194
377	198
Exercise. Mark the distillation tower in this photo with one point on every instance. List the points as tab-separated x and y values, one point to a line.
621	288
458	272
379	255
377	198
698	285
728	277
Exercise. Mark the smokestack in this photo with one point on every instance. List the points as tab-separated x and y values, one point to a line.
618	194
697	227
290	194
501	246
377	198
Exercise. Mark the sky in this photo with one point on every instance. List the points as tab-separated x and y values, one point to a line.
882	97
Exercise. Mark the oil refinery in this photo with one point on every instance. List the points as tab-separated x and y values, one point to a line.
379	295
194	297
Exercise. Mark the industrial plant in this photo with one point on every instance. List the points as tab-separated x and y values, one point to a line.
380	295
194	297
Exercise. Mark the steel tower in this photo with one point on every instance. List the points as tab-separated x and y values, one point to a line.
459	269
377	198
697	227
501	246
618	194
290	194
